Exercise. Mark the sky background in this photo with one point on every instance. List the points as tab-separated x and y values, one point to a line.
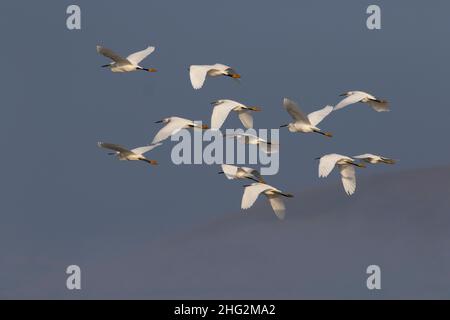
64	201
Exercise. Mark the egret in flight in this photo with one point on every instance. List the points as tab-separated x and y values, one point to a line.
247	138
174	125
235	172
346	166
223	107
303	123
364	97
128	64
251	193
131	155
198	73
372	158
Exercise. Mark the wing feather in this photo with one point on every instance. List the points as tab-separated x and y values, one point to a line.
317	116
111	54
294	110
198	73
348	178
137	57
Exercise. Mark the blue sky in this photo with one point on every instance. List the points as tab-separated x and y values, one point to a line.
63	197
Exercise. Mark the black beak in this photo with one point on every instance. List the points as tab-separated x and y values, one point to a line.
159	121
105	65
284	125
343	95
221	172
317	158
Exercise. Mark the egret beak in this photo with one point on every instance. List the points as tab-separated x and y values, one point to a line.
318	158
235	76
343	94
111	153
289	195
284	125
388	161
159	121
152	162
221	172
105	65
254	108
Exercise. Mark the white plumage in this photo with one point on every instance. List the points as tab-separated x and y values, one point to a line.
128	64
346	167
235	172
131	155
174	125
303	123
364	97
223	107
247	138
198	73
372	158
274	195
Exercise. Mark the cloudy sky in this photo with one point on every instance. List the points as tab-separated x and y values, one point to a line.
64	201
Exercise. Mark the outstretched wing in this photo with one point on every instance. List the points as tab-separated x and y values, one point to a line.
379	105
115	147
251	193
327	163
111	54
366	156
142	150
220	112
246	118
137	57
229	171
198	75
317	116
353	98
294	110
277	204
174	125
348	178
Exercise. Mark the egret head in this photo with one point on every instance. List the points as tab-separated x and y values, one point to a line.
231	73
165	120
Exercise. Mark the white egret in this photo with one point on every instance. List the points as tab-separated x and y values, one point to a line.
174	125
346	166
251	193
224	106
131	155
303	123
364	97
247	138
198	73
235	172
128	64
372	158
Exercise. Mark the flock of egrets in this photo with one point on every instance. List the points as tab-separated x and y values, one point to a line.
301	123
